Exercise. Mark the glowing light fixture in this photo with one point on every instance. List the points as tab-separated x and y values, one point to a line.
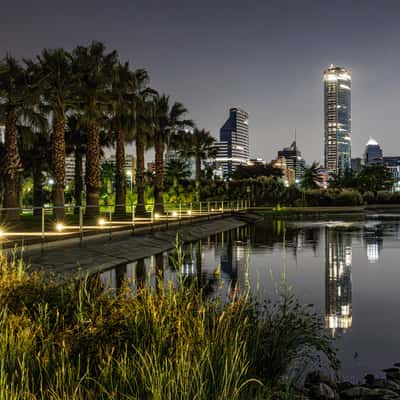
59	227
101	222
156	216
189	212
174	214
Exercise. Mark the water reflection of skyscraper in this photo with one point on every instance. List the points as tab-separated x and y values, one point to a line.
338	259
235	264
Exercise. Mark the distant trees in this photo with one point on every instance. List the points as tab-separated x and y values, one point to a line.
311	177
255	171
372	178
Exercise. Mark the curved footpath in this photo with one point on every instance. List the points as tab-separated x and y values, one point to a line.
101	254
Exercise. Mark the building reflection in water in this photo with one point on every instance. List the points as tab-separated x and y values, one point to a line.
338	303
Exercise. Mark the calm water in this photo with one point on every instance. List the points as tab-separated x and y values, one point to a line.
349	269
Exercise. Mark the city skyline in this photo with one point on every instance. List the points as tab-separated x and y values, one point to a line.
267	59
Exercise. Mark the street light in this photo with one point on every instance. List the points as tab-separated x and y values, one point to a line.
101	221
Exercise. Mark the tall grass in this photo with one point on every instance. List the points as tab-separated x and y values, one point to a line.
72	340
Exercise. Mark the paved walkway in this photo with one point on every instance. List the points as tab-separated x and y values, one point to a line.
100	253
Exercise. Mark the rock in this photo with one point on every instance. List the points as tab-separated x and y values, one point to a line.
369	379
392	373
322	391
316	377
356	392
386	384
383	394
345	385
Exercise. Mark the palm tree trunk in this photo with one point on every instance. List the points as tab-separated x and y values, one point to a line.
93	172
12	166
58	161
37	188
140	210
198	169
159	177
78	178
198	177
120	192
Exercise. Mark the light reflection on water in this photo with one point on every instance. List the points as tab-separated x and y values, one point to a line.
348	269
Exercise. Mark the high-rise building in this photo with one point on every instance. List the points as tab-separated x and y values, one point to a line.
233	147
337	119
356	164
373	153
393	165
294	160
70	169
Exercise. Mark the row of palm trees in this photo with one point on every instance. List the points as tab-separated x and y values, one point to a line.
76	102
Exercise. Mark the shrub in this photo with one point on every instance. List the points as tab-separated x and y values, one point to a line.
369	197
348	198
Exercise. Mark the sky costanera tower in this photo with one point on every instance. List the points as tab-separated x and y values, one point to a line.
337	119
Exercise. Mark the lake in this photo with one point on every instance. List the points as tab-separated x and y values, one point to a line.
347	267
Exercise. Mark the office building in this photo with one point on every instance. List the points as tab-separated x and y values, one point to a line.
373	153
70	169
337	119
393	165
356	164
233	147
294	160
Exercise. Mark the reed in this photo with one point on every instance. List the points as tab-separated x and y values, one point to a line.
70	339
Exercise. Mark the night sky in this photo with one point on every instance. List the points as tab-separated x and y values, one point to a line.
264	56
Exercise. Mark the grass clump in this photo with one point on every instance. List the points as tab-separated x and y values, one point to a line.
72	340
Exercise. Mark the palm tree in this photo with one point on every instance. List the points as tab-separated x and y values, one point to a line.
18	98
168	119
126	86
54	72
143	110
93	69
201	146
311	177
34	148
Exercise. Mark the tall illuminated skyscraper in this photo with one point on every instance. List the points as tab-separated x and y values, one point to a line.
337	119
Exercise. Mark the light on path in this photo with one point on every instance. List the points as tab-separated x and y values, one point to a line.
59	227
101	221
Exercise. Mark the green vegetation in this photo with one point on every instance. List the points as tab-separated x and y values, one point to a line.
77	102
70	339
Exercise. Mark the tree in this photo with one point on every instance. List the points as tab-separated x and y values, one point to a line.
76	144
144	128
201	146
177	170
374	178
255	171
34	148
18	99
54	72
168	119
345	181
93	68
311	177
126	86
